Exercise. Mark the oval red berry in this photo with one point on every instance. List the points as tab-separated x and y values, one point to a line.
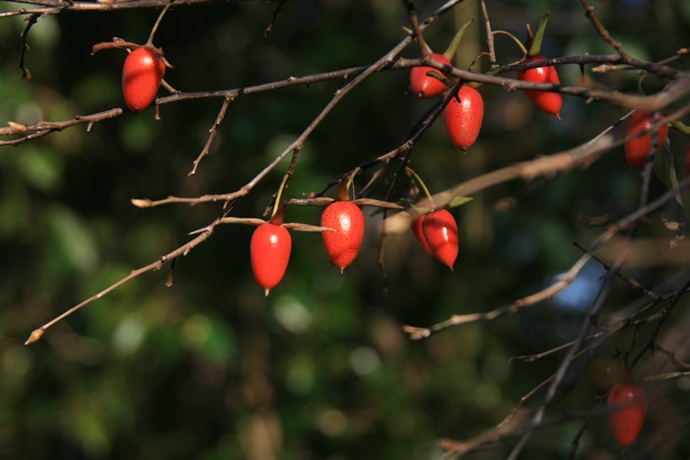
342	245
637	150
547	101
463	116
441	234
425	86
142	74
270	252
627	406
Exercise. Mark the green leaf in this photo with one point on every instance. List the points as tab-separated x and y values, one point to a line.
453	46
535	49
459	201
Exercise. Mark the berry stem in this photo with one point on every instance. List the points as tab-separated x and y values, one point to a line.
278	212
514	38
346	183
422	185
149	42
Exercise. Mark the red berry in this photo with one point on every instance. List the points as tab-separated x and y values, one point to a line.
141	76
441	234
637	150
546	101
419	233
270	252
343	244
423	85
627	405
464	117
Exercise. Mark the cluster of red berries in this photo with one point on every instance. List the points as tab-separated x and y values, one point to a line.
464	111
271	242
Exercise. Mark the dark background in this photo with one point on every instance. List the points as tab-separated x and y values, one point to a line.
211	369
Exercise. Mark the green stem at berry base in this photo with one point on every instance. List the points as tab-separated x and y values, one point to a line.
346	183
149	42
514	38
278	213
422	185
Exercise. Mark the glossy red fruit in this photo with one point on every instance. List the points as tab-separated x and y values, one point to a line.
463	116
637	150
441	233
546	101
424	86
270	252
141	76
627	406
343	244
417	231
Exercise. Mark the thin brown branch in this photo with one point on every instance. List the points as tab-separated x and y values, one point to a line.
181	251
489	37
628	279
412	13
50	7
211	134
30	21
269	29
656	102
601	30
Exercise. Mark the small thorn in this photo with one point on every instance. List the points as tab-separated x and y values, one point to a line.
267	291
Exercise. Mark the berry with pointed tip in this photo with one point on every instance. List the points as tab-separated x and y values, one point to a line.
269	249
142	74
441	234
342	245
546	101
425	86
463	116
627	406
637	149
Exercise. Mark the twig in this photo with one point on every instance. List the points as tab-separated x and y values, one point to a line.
211	134
30	21
412	13
676	90
50	7
274	18
181	251
602	30
628	279
489	37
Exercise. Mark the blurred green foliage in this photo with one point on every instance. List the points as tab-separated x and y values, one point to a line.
210	369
